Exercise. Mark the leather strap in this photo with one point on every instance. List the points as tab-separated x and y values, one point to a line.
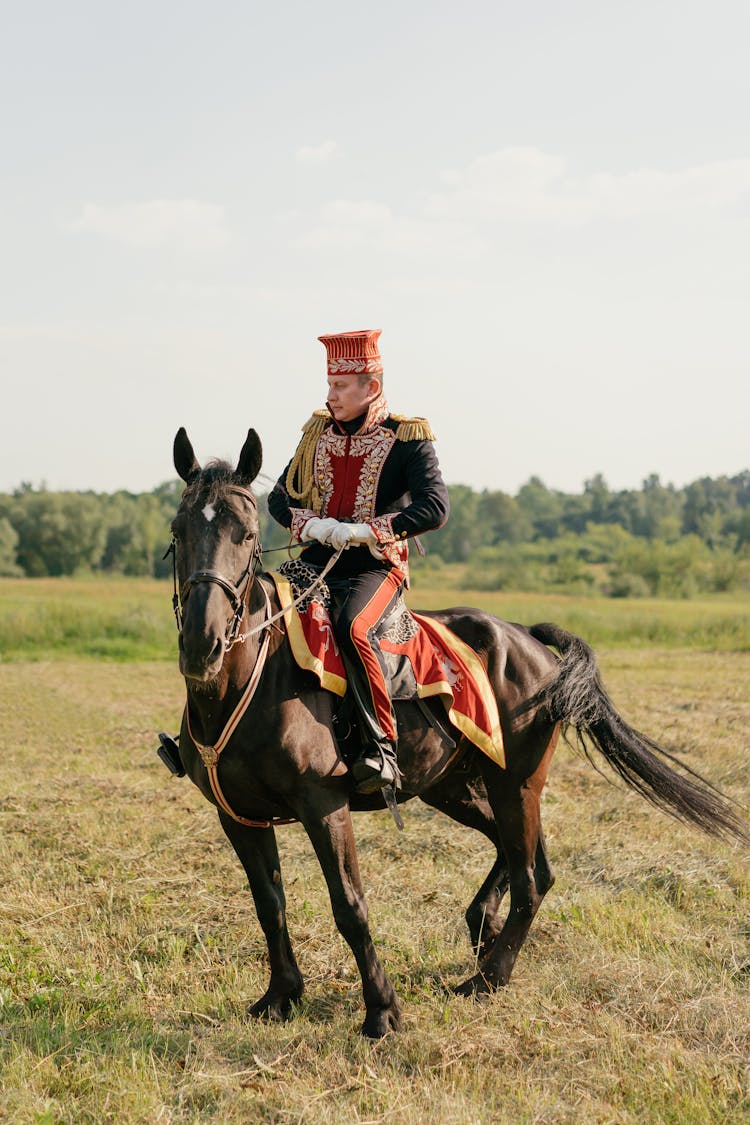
210	754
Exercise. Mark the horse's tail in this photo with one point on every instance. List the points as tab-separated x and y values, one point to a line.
577	698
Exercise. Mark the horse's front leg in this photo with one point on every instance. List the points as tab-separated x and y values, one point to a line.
332	837
257	851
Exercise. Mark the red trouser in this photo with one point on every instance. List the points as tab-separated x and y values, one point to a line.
360	603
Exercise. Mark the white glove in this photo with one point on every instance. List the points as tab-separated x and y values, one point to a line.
318	529
352	535
341	536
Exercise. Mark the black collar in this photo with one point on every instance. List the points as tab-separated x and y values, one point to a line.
351	427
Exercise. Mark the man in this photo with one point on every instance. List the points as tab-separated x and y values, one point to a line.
365	480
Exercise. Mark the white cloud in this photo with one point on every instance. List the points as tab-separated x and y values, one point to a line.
527	183
213	291
650	191
317	154
347	224
186	223
513	186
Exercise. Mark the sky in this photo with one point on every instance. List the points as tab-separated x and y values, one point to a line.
545	207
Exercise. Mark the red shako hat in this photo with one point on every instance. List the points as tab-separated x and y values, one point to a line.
353	353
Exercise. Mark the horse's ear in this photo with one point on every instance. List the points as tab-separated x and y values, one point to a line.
251	458
184	458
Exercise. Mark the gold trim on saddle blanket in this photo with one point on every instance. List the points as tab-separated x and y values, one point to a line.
489	742
300	650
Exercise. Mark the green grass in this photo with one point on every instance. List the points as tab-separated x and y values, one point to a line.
130	950
110	619
119	619
720	621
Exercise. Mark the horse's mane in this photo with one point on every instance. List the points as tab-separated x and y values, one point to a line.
212	479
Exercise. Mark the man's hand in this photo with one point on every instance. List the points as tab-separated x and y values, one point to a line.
319	529
332	533
352	535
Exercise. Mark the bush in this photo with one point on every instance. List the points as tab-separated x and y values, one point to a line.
629	586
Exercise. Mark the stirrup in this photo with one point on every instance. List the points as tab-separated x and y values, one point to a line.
374	770
169	752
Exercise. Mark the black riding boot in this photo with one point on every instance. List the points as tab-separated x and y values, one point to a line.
376	766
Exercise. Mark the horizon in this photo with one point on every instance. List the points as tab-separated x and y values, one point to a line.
266	483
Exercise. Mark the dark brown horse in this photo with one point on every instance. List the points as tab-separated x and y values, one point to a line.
274	729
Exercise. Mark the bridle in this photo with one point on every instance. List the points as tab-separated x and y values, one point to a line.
236	592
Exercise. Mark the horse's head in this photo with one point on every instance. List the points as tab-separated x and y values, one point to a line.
216	544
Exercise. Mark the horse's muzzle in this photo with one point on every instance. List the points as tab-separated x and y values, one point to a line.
198	661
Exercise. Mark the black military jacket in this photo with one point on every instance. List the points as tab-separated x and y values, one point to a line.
379	469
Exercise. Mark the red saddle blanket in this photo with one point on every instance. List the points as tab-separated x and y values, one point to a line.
442	664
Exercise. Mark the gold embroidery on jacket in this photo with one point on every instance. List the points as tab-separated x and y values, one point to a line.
372	449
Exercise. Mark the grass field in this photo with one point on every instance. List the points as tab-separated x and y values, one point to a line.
131	619
129	947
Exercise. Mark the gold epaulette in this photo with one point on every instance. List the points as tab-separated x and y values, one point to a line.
317	422
413	429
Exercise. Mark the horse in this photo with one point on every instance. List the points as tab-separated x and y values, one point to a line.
280	760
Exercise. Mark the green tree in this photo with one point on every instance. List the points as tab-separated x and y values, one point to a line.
626	508
463	532
9	568
137	534
710	506
576	513
661	510
59	532
502	519
596	490
542	507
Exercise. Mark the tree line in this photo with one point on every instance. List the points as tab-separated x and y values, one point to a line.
656	540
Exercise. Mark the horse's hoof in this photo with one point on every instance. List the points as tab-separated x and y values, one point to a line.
381	1021
477	986
273	1010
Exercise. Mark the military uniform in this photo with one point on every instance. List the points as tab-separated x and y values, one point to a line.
378	472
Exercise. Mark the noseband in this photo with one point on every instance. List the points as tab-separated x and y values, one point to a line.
236	592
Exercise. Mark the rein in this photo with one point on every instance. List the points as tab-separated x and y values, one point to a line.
236	595
313	586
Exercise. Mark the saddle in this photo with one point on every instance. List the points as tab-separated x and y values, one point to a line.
423	658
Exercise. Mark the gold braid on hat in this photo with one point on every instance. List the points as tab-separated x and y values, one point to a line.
300	478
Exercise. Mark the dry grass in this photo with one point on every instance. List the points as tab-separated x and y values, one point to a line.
129	948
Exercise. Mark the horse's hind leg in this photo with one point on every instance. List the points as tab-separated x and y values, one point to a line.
459	800
516	804
257	851
333	839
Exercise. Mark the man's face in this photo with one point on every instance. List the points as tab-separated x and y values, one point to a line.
348	398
